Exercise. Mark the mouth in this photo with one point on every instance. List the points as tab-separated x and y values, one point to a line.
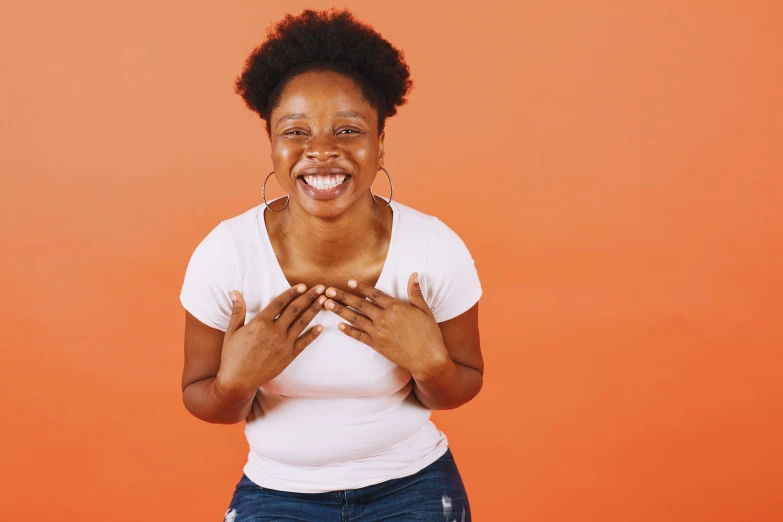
327	185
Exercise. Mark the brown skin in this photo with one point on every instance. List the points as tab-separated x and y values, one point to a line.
324	244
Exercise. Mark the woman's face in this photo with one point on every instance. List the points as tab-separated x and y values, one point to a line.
326	149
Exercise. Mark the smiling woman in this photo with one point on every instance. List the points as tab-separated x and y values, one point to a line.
331	321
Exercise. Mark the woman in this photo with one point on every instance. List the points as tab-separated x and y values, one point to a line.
353	316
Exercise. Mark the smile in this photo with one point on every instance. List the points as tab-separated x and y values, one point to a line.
324	187
324	182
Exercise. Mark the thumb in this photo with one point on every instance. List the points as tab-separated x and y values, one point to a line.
237	312
415	295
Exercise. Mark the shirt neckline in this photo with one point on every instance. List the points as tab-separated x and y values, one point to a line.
266	244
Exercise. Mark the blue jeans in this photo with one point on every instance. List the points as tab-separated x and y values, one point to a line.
435	493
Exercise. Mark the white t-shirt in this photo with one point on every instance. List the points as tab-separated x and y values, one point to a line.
341	415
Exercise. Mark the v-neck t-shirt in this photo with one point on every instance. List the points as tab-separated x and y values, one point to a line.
341	415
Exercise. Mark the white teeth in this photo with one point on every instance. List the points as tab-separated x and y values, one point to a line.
324	182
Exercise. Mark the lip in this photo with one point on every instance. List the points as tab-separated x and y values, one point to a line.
322	171
331	193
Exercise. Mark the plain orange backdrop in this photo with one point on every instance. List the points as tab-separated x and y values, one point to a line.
614	167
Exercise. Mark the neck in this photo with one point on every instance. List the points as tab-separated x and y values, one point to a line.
323	241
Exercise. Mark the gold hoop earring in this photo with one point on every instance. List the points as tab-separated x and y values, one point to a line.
391	190
263	195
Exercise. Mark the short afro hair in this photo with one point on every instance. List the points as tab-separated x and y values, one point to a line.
325	40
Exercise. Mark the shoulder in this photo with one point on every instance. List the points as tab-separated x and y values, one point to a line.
221	252
211	273
246	222
423	224
449	280
440	240
216	245
242	232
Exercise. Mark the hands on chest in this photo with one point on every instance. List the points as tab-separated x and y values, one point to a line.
405	333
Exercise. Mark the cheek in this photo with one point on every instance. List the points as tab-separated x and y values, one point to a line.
282	157
363	154
367	156
287	154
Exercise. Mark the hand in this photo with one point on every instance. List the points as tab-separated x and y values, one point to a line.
406	334
257	352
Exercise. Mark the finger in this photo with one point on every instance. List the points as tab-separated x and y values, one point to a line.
278	304
360	304
237	312
376	296
299	305
356	333
415	295
306	339
301	322
349	315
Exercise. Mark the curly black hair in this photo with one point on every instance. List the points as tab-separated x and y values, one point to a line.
325	40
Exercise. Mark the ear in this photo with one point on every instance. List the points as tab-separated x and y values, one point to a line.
380	149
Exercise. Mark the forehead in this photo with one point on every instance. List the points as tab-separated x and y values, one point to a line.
315	91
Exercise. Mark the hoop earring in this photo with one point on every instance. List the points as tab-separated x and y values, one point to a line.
263	195
391	191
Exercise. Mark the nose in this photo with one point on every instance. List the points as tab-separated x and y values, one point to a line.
322	147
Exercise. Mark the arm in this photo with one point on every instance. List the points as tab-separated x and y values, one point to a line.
202	392
444	357
456	379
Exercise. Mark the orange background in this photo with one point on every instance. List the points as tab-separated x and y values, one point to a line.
615	171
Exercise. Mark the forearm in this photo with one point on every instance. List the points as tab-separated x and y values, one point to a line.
210	403
448	386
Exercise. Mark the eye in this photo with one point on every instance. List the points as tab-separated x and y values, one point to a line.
293	131
353	131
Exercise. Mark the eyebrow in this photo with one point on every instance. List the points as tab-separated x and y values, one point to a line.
343	114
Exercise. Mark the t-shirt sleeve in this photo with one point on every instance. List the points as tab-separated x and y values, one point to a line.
450	282
210	276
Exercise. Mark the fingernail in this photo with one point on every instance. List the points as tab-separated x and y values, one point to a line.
341	326
319	328
319	289
352	283
321	300
301	288
331	292
416	279
330	304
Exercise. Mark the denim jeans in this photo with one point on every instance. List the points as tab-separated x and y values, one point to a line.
435	493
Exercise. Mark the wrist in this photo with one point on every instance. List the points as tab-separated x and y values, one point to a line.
437	367
230	392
